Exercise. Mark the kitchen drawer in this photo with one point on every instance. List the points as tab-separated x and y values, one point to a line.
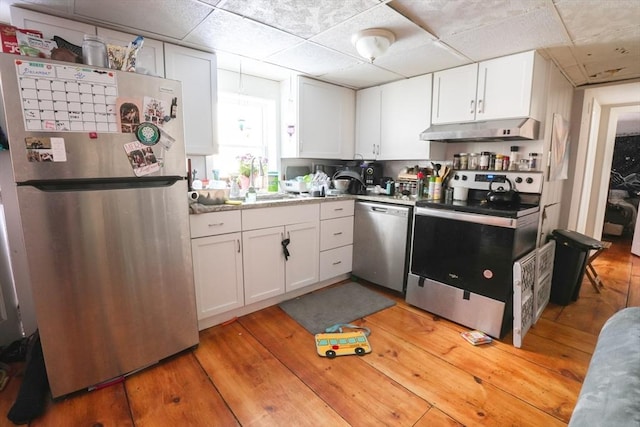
214	223
253	219
342	208
336	232
335	262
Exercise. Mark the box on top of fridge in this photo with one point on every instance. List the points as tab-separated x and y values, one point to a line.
9	40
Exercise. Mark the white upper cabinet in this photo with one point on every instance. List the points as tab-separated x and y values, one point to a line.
318	120
150	58
454	94
494	89
71	31
368	138
390	118
197	72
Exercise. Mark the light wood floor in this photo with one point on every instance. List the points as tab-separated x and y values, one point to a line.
262	370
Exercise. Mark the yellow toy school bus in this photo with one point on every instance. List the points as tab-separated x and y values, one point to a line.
340	344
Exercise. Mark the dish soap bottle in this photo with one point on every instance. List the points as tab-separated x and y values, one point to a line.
437	190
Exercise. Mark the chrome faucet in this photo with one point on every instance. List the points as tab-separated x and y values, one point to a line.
261	172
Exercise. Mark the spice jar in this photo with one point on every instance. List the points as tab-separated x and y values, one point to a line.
514	158
498	164
483	161
456	161
464	161
473	161
492	161
534	162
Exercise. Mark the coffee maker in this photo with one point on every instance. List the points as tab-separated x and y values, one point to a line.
371	173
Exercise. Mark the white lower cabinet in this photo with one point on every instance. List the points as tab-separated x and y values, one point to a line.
217	262
336	238
264	263
266	271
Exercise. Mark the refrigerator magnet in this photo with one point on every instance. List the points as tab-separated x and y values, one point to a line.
148	133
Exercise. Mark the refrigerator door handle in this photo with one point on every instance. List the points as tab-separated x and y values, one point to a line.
103	184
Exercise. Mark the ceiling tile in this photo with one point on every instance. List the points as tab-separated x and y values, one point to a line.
447	17
536	29
420	60
253	67
312	59
167	17
360	76
408	35
601	71
610	46
231	33
303	18
579	16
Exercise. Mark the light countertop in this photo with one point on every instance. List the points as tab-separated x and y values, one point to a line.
197	208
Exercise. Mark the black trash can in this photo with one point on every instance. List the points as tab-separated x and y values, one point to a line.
570	264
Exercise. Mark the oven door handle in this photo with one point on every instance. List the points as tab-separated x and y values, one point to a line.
468	217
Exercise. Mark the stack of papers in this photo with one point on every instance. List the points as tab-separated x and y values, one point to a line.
476	337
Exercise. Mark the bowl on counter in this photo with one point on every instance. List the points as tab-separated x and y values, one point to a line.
341	185
213	196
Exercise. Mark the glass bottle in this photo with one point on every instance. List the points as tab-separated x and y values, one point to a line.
483	162
464	161
473	161
456	161
534	162
514	158
94	51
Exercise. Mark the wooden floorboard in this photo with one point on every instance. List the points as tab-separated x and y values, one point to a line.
262	370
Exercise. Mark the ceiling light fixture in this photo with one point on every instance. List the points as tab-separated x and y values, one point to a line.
373	42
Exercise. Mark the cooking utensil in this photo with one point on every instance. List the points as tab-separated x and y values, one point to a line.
501	196
341	184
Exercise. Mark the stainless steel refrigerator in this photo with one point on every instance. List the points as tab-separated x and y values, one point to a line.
94	193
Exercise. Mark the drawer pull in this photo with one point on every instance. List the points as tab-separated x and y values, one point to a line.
338	209
216	224
337	262
338	233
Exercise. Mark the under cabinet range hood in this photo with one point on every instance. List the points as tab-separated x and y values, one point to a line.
491	130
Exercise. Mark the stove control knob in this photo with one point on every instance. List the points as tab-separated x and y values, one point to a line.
519	180
529	180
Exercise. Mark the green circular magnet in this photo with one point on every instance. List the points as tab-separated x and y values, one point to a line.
148	133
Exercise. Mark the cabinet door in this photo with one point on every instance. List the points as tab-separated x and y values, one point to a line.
71	31
217	267
263	263
150	57
197	72
504	87
368	122
406	111
326	118
454	94
302	267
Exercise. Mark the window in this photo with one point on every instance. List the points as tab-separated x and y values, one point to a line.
247	129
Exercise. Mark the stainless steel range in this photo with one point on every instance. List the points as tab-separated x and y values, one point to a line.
463	252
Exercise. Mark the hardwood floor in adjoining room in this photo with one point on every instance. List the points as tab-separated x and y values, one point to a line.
263	370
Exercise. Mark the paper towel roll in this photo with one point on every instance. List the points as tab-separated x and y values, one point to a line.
193	195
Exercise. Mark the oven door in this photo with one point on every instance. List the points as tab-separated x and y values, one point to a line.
472	252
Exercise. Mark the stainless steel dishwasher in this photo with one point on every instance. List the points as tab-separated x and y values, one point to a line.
380	243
